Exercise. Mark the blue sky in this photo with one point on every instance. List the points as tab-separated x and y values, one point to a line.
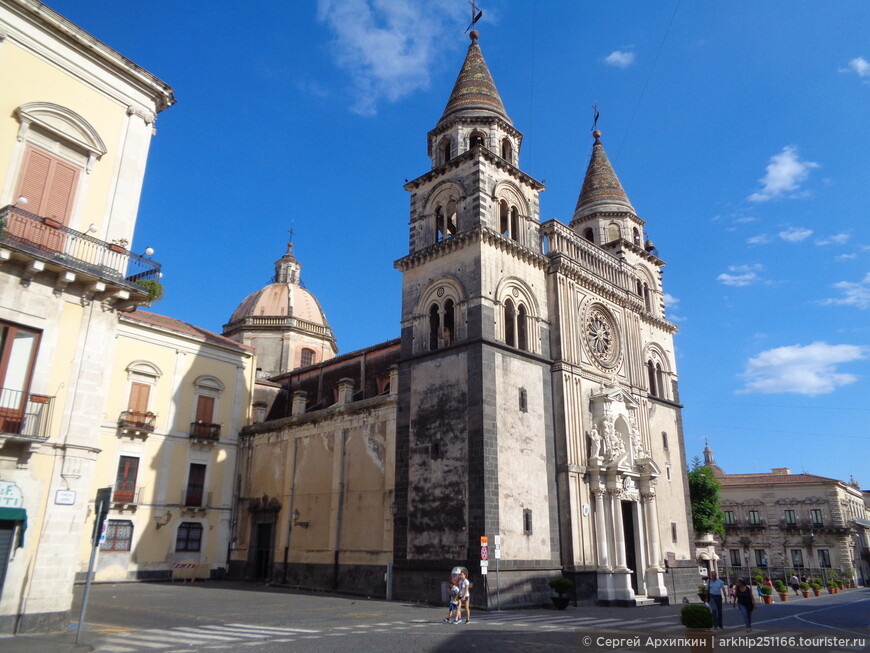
739	131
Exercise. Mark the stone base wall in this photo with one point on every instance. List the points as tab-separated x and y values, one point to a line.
682	582
35	623
362	580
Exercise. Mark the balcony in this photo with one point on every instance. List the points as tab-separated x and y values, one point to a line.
134	422
126	494
733	525
45	244
24	416
195	500
789	525
757	525
204	432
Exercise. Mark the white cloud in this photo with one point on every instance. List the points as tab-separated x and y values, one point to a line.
836	239
671	304
860	66
854	294
619	59
795	234
801	369
785	173
846	257
760	239
388	46
740	275
745	220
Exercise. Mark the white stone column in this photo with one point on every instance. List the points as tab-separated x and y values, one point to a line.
601	528
655	579
618	532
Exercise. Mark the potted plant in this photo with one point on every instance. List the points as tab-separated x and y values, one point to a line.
817	587
119	245
767	594
805	589
832	587
840	584
154	289
561	586
757	579
698	620
782	590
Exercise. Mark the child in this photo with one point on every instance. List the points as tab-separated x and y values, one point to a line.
464	597
732	598
453	611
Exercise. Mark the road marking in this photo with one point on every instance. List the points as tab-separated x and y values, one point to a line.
115	649
276	629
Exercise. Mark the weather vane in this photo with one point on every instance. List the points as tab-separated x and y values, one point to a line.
475	15
595	116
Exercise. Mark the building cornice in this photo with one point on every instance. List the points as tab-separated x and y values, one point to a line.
479	151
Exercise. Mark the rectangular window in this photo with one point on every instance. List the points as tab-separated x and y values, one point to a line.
790	518
674	531
119	535
18	347
816	517
189	537
195	485
665	440
797	558
729	517
824	558
760	558
753	517
735	557
524	401
527	521
125	482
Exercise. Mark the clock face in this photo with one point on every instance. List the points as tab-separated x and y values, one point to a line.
602	337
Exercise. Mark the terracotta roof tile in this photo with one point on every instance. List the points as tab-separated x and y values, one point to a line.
601	185
474	89
184	328
774	479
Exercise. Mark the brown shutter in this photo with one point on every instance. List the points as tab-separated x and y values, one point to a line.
139	394
34	178
204	409
59	196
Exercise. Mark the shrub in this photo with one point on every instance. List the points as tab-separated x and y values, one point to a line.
756	572
154	289
693	615
560	585
805	587
780	586
758	579
831	585
817	585
767	590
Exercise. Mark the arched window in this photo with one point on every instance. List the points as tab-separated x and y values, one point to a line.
639	288
515	223
445	150
660	381
506	150
636	235
651	372
646	298
447	332
477	139
504	218
589	235
509	331
306	357
451	220
439	224
434	320
522	329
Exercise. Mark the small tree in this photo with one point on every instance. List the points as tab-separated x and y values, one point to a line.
707	516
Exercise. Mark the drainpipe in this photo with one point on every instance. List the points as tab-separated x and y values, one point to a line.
290	506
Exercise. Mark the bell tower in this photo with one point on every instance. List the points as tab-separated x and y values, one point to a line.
474	454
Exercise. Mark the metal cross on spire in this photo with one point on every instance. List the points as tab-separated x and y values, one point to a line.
595	116
291	230
475	15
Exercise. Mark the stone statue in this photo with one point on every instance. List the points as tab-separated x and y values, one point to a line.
594	443
637	446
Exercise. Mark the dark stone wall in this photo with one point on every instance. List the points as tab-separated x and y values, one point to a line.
45	622
682	582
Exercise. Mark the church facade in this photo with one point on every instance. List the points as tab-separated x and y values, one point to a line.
532	395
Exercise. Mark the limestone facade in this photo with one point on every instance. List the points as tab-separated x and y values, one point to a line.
77	122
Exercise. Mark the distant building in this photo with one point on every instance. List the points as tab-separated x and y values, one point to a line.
532	397
76	122
779	521
177	398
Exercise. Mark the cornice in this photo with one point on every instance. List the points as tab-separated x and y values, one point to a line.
468	237
455	162
472	120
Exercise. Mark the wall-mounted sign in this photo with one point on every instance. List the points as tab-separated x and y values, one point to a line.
65	497
10	495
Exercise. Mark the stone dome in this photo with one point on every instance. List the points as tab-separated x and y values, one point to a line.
281	300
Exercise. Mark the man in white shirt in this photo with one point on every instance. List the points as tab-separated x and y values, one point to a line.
716	590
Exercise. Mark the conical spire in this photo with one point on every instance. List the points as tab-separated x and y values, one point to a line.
708	455
601	188
474	91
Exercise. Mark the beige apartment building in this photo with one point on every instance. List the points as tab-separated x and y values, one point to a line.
779	520
177	398
76	122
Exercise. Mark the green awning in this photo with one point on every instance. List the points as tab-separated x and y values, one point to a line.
16	514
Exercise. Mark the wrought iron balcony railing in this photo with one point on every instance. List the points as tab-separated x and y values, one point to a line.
136	420
126	492
205	431
52	241
195	497
24	414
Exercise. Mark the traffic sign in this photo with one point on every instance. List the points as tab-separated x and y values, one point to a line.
483	567
484	540
497	540
497	553
484	553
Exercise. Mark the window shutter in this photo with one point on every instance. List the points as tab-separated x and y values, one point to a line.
205	409
59	194
139	395
48	183
34	178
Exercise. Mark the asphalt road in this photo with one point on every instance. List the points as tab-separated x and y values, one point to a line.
212	616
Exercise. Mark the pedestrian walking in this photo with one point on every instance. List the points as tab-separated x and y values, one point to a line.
795	584
464	597
745	602
453	605
715	592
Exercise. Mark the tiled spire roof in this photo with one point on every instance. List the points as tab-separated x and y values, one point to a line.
601	188
474	91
